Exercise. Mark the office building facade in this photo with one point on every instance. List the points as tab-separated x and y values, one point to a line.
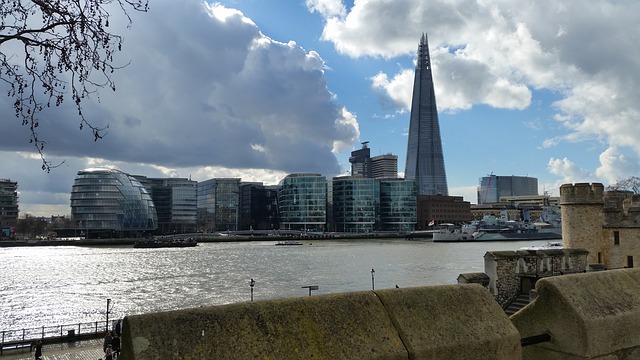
302	202
494	187
356	204
8	203
175	200
384	166
361	161
398	207
425	158
258	207
111	203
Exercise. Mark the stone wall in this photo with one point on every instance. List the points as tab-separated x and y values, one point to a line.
439	322
594	315
515	272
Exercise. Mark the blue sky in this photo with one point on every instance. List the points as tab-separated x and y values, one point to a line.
258	89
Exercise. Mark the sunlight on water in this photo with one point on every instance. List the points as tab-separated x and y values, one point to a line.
65	285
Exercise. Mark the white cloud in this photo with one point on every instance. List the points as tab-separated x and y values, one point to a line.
615	166
568	171
328	8
497	53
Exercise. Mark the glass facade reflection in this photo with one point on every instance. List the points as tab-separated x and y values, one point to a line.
105	201
398	205
302	202
355	204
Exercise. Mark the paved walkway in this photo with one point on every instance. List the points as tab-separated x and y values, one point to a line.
79	350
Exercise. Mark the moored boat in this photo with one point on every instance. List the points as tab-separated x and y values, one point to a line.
164	243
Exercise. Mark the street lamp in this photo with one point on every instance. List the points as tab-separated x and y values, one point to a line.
373	283
251	284
108	302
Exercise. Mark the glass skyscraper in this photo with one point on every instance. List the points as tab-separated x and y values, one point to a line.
109	202
425	159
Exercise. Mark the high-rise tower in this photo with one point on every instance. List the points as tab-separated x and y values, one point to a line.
425	161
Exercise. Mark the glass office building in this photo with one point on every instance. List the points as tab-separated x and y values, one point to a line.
111	203
302	202
355	204
398	206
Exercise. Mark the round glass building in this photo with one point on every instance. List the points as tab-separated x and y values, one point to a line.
111	203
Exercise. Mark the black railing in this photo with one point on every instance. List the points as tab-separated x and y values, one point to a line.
54	332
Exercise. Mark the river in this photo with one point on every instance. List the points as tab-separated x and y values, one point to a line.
50	286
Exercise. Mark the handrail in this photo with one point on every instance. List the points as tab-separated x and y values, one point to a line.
57	331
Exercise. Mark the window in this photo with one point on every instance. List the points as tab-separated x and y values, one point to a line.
629	261
616	238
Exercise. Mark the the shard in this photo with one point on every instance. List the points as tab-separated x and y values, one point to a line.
425	160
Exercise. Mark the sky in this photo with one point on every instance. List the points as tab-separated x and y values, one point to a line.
258	89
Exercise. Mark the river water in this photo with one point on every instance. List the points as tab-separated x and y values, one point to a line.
50	286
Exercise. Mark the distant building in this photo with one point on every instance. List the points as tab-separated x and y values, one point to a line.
218	204
384	166
425	158
361	161
206	213
356	204
109	203
302	202
176	203
493	188
438	209
258	207
8	207
398	205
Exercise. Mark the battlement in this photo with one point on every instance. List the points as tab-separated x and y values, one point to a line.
582	193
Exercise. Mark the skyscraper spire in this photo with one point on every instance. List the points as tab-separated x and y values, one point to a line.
425	159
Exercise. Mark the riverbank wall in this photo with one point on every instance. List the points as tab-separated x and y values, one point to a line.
203	238
593	315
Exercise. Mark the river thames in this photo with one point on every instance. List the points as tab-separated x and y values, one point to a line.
50	286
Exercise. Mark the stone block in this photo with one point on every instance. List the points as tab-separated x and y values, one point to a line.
340	326
589	316
441	322
451	322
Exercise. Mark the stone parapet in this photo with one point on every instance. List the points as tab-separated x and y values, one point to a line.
589	316
440	322
582	193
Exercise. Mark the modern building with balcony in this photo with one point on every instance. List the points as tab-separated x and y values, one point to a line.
302	202
108	203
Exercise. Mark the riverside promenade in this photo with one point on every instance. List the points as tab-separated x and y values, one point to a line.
77	350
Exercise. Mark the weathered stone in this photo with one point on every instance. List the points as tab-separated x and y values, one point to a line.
451	322
588	316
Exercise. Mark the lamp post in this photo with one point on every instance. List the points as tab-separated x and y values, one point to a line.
251	284
373	283
108	302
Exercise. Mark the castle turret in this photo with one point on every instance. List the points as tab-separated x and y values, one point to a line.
582	218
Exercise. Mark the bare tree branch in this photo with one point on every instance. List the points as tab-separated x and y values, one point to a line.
61	40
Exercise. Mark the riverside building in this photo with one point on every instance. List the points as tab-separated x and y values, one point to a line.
425	159
8	203
302	202
108	203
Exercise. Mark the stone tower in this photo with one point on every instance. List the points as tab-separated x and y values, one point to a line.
582	218
425	160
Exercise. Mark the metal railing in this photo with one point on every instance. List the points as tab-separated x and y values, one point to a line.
58	331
